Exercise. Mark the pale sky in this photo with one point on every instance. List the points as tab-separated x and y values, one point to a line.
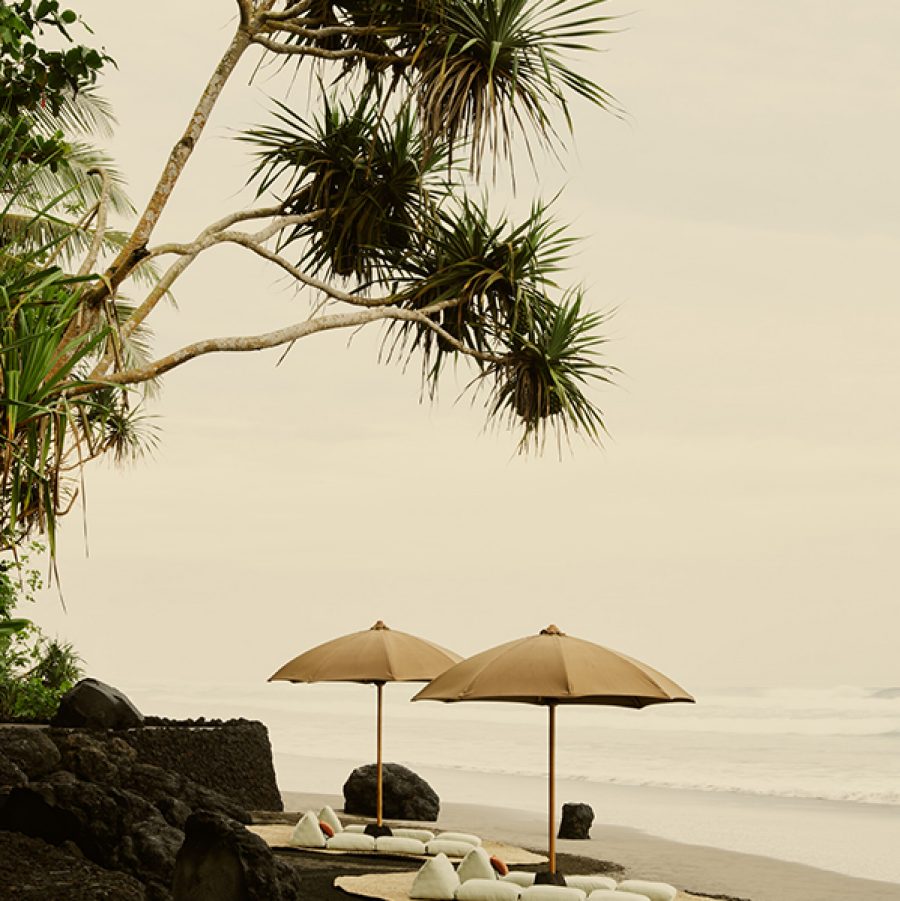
741	525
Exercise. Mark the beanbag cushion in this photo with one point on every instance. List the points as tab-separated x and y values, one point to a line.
396	844
436	879
350	841
487	890
605	894
476	865
655	891
500	868
327	831
451	849
423	835
327	815
307	833
519	878
591	883
555	893
460	837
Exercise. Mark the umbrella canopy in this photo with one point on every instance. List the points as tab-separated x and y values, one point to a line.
374	656
550	669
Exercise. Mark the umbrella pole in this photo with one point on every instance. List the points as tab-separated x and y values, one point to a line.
379	686
552	794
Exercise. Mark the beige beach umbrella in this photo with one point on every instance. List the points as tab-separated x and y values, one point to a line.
374	656
550	669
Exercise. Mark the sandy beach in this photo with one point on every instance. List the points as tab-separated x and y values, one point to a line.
695	868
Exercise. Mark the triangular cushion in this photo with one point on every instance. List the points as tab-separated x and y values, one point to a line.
435	880
327	815
476	865
307	833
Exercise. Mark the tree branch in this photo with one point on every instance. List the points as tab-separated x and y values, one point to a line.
102	208
320	53
288	335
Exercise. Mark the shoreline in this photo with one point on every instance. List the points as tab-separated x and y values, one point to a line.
796	830
695	868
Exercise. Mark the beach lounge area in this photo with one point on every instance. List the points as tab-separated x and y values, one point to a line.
447	865
615	853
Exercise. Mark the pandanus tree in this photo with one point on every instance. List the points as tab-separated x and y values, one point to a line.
374	202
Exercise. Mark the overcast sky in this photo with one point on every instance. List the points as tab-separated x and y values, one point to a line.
741	525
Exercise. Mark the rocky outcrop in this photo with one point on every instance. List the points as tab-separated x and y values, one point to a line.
234	757
406	795
32	870
89	792
30	750
92	704
576	821
221	862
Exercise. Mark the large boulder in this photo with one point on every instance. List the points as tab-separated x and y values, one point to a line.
222	861
30	749
405	795
576	821
91	704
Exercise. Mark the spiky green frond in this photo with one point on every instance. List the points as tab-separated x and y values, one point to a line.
553	356
367	175
489	268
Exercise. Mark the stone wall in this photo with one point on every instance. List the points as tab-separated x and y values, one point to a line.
233	757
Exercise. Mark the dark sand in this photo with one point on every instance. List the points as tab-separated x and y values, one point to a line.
693	868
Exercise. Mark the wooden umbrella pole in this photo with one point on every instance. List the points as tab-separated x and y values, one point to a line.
552	779
379	687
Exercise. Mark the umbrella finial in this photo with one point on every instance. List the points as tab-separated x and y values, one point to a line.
552	630
380	626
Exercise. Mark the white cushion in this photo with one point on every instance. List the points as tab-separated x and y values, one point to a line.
591	883
436	879
451	849
605	894
307	833
655	891
553	893
355	828
487	890
476	865
327	815
519	878
350	841
397	844
460	837
423	835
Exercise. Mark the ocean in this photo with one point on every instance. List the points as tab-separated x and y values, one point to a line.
811	775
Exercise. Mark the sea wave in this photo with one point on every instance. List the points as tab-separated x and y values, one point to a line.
856	796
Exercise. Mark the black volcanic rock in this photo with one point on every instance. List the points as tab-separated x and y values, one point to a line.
31	750
221	861
92	704
32	870
405	795
576	821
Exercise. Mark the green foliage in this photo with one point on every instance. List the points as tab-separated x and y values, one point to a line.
48	427
368	176
35	670
33	75
423	83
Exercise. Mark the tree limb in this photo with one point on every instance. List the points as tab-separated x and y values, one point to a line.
321	53
287	335
90	260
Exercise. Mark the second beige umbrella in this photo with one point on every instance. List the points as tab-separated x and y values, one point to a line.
550	669
374	656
